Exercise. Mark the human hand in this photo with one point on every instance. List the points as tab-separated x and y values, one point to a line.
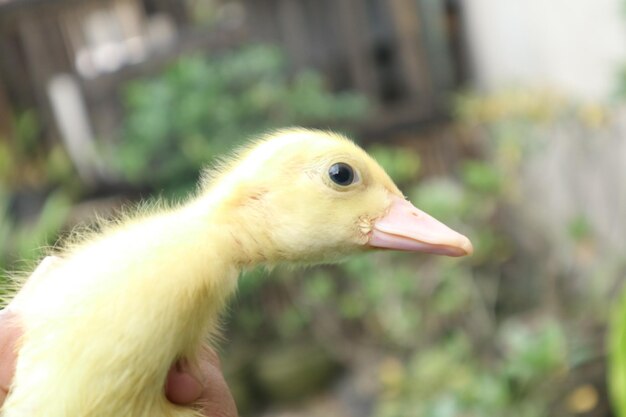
185	384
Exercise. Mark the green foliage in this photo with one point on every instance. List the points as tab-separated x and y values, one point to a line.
30	172
482	177
202	107
532	351
401	163
616	339
29	240
441	197
26	240
427	309
617	356
456	342
454	348
579	228
25	163
446	380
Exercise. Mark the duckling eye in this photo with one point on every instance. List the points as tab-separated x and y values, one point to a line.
341	174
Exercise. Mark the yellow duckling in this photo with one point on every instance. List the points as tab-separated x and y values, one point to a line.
103	327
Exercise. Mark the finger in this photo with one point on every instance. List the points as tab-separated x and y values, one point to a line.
182	386
216	399
202	384
11	332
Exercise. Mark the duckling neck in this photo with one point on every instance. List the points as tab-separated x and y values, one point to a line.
241	233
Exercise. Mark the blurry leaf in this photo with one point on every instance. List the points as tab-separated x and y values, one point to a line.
6	162
617	355
481	176
248	319
6	226
449	298
352	306
204	106
532	351
252	280
401	164
579	228
445	406
582	400
359	266
320	286
58	165
490	246
27	129
439	197
30	241
291	321
392	374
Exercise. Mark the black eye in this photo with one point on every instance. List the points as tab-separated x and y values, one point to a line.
341	174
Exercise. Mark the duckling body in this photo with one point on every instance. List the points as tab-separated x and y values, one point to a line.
90	330
104	326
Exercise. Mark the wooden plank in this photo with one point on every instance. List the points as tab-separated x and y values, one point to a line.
410	50
436	47
131	18
13	70
45	55
188	42
335	60
39	64
261	20
294	34
6	116
353	16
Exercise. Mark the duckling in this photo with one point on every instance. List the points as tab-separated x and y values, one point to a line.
121	305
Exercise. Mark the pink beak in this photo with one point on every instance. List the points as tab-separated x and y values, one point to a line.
407	228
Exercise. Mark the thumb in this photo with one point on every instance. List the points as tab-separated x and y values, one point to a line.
202	384
181	386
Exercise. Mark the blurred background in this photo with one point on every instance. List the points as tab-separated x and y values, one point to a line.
505	119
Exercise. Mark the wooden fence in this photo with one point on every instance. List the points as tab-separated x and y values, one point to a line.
400	53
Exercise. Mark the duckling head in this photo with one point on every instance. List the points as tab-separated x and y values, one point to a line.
313	196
